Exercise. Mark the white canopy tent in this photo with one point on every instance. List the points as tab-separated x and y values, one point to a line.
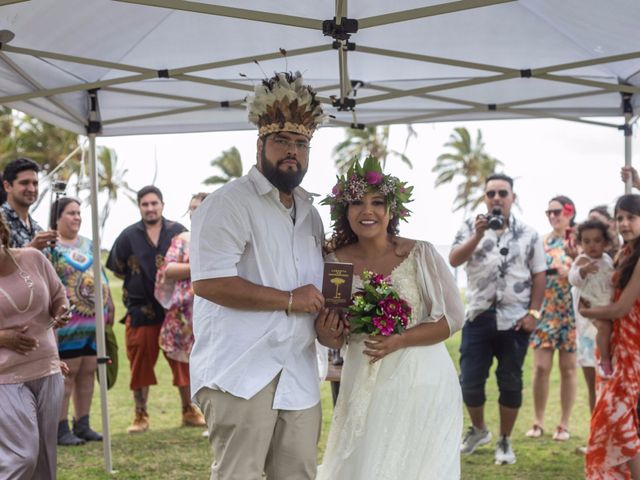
121	67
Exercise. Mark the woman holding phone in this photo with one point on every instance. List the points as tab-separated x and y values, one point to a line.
556	329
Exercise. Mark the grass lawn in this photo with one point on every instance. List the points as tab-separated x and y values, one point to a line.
169	451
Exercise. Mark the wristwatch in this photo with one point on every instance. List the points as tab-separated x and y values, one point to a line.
534	313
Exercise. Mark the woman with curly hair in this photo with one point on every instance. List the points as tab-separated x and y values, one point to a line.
399	412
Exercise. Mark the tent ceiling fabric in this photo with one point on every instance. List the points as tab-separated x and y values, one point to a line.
169	66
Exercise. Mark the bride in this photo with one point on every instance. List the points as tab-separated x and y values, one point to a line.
399	411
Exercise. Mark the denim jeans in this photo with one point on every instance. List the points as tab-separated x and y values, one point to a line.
481	341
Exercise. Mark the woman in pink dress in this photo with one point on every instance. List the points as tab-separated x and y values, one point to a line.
32	304
174	292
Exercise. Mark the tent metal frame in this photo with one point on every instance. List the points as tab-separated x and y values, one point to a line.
134	75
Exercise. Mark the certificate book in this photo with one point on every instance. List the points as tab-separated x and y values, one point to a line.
336	284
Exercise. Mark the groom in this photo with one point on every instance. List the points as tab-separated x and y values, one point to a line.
256	266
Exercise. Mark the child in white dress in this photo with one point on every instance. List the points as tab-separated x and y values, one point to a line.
590	276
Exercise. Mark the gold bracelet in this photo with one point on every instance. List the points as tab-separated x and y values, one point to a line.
290	304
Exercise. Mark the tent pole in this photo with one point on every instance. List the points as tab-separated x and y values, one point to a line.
99	306
627	130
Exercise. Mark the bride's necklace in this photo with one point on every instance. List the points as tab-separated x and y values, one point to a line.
27	281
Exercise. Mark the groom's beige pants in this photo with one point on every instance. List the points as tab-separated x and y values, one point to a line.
248	437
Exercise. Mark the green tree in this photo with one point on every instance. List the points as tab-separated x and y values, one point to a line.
25	136
229	163
469	160
8	149
359	143
111	181
45	144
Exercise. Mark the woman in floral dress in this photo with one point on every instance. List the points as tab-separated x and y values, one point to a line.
174	292
556	328
72	259
613	451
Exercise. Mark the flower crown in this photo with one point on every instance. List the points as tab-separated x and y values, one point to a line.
368	178
284	104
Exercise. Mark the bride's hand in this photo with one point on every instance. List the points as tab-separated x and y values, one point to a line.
379	346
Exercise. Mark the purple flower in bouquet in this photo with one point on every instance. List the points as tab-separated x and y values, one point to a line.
384	324
376	308
390	306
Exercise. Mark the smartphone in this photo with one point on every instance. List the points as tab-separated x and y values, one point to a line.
568	234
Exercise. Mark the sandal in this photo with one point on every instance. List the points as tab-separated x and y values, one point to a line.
536	431
561	434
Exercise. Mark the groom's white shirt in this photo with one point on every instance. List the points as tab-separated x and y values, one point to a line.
243	230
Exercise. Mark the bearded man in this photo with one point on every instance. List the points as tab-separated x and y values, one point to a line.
134	256
256	266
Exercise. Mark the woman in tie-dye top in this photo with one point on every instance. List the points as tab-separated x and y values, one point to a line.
613	451
72	259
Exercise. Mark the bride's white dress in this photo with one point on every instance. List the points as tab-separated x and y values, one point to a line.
400	418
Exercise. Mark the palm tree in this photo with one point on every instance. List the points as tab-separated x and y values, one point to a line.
230	163
359	143
468	160
111	181
45	144
7	136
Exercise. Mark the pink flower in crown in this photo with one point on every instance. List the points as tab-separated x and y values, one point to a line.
373	178
336	190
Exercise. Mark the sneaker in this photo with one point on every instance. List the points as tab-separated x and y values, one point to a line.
140	422
191	417
504	452
473	439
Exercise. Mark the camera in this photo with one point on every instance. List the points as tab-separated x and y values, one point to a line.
59	187
496	219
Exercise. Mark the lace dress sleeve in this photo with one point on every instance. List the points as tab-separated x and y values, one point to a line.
438	287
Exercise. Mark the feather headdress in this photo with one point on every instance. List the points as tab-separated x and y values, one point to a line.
284	104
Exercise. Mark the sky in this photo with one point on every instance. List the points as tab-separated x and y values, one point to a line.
545	157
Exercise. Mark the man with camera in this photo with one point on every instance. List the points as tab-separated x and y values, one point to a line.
20	182
505	265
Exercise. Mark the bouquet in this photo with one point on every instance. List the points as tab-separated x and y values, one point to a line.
376	308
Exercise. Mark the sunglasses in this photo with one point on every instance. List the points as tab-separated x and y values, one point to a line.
555	212
500	193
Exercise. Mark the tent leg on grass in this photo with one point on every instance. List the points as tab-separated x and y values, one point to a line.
97	275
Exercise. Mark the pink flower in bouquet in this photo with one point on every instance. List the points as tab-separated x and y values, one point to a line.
390	306
373	178
384	324
377	279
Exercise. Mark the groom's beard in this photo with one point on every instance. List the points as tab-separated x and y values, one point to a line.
283	180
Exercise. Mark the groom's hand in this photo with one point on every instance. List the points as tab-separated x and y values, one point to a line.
307	299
